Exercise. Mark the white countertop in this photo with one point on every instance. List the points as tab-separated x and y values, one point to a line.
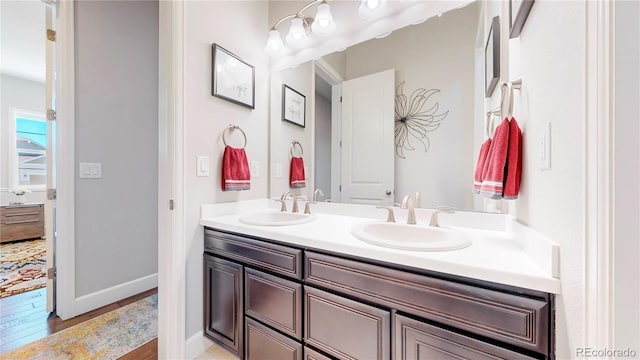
494	255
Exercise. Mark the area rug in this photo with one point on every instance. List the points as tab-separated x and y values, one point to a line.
108	336
22	267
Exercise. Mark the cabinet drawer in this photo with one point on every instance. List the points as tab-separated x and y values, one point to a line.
274	301
513	319
415	340
10	211
345	328
310	354
263	343
275	258
25	230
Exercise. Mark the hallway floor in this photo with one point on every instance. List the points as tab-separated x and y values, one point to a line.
23	319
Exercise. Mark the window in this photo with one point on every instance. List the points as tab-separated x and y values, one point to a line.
29	165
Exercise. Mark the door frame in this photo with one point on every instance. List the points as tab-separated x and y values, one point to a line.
333	78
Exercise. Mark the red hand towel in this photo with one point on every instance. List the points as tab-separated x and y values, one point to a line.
235	170
296	173
482	158
494	167
514	161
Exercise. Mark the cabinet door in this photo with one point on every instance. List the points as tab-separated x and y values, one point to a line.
223	303
415	340
267	344
345	328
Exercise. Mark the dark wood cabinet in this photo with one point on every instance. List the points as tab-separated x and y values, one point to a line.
274	301
263	343
345	328
223	296
287	299
416	340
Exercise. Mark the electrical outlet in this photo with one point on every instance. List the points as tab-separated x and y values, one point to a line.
90	170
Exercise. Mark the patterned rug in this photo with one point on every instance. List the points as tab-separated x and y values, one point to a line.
108	336
22	267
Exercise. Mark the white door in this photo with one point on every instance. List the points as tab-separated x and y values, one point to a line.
367	159
50	205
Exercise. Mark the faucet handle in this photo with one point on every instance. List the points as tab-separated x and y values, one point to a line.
283	207
390	217
307	210
440	209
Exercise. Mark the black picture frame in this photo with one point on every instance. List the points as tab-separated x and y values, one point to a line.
492	57
232	78
518	12
294	106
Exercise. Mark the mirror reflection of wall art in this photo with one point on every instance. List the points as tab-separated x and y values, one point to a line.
232	78
518	13
293	106
492	57
412	121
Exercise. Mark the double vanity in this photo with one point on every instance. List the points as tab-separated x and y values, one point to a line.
343	283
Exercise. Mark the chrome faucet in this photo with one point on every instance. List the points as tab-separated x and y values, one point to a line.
407	203
440	209
295	201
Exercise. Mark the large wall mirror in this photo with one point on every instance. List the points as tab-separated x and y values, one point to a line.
407	122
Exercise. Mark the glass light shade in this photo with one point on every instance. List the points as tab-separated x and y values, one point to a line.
372	9
323	23
297	36
274	43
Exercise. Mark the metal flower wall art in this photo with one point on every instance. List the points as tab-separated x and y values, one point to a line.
412	121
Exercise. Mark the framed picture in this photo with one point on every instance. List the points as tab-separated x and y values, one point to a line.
492	57
232	78
518	13
293	106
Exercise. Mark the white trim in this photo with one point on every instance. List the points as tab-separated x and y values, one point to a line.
110	295
65	209
328	74
197	344
12	174
171	246
598	149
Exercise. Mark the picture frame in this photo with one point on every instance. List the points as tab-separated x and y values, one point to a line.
232	78
492	57
294	106
518	12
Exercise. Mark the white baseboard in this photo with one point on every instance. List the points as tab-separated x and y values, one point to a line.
104	297
196	345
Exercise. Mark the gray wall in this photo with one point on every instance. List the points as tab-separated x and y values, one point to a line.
322	161
116	125
25	95
627	176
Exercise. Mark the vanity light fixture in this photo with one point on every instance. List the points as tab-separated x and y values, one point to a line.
372	9
301	28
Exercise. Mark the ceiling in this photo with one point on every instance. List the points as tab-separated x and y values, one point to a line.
22	42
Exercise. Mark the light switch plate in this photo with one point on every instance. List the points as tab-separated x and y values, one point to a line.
90	170
306	172
278	170
255	169
544	147
202	165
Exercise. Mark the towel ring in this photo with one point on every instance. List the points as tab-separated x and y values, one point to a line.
230	128
293	145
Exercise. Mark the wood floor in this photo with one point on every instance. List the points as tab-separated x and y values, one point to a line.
23	319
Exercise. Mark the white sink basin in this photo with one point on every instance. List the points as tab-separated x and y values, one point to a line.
275	218
411	237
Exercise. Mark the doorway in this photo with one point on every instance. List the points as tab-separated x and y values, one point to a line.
26	159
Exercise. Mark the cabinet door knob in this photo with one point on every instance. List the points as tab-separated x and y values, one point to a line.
388	192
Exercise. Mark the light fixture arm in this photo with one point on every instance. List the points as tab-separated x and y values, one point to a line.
299	14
